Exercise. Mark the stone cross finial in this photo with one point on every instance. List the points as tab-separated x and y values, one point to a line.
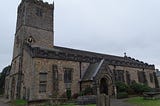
125	54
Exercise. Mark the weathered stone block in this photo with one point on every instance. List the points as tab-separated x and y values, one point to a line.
103	100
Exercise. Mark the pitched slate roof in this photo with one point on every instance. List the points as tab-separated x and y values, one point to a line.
92	71
63	53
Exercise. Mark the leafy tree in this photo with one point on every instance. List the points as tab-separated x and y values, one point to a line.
2	78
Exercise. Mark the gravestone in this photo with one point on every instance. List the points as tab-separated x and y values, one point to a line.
103	100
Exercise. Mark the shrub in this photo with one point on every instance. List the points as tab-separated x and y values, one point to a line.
75	96
140	88
87	91
121	95
121	87
68	93
19	102
130	91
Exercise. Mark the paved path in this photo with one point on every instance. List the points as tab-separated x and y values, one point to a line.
117	102
3	102
120	102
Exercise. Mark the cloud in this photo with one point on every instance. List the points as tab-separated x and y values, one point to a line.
106	26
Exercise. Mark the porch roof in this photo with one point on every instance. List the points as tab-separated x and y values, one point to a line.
92	70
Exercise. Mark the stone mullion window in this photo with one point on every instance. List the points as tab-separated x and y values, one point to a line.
115	74
128	78
122	76
42	82
155	80
142	77
151	77
119	75
68	75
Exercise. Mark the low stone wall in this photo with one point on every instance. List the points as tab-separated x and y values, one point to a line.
151	95
88	99
37	102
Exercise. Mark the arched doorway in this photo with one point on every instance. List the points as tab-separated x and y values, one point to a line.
104	86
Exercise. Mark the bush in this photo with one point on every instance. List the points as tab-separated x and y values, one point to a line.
130	91
121	95
68	93
75	96
3	75
121	87
87	91
140	88
134	88
19	102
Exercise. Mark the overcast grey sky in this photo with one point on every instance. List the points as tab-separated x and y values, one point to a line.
105	26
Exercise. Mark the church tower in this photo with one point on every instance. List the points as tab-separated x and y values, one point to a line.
34	24
34	27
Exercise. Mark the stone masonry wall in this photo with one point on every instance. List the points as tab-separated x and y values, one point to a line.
45	65
134	73
28	79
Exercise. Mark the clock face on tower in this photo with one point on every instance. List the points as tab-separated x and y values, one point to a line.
30	40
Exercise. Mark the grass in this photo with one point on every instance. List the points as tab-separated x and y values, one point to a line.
19	102
139	101
71	104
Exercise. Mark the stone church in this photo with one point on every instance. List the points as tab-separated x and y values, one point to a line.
40	70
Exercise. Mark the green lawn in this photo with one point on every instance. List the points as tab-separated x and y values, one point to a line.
19	102
139	101
76	105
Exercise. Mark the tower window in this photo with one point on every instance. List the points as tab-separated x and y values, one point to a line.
39	12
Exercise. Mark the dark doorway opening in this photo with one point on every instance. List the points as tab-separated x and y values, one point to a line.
104	86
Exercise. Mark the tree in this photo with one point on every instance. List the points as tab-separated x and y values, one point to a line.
2	78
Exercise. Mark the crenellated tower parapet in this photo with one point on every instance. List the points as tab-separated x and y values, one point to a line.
35	13
38	2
